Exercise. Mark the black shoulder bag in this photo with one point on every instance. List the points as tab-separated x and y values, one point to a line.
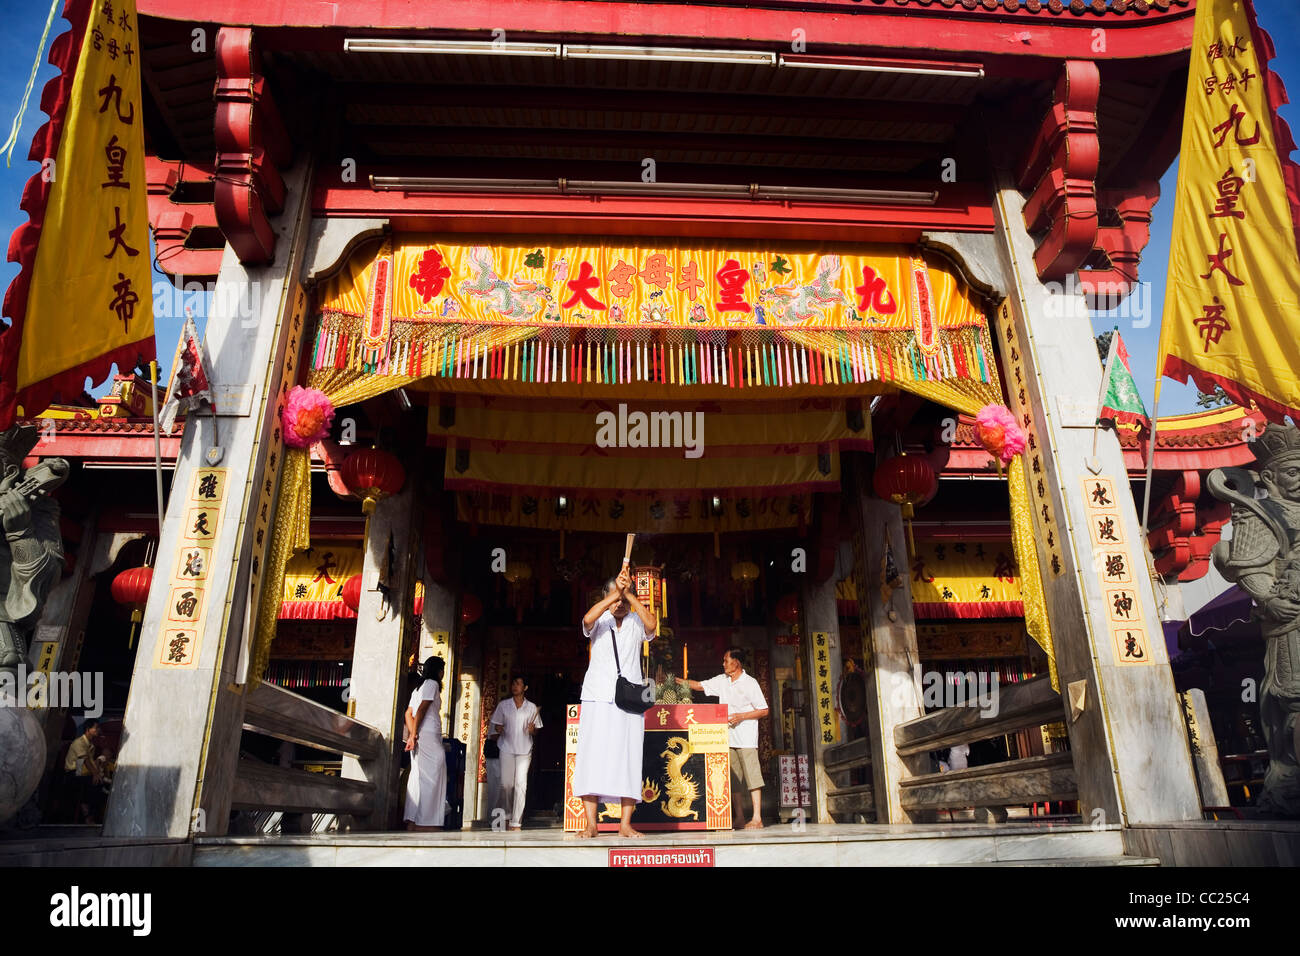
630	697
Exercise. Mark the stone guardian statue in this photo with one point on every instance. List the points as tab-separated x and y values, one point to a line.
1263	558
31	560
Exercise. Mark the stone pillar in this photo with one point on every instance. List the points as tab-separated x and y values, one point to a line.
377	690
1129	742
893	664
183	724
437	630
819	617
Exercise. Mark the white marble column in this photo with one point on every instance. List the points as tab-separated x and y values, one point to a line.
1129	742
182	727
377	689
893	664
820	616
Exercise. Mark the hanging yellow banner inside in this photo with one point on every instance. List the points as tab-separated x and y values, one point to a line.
314	579
1232	311
673	284
90	302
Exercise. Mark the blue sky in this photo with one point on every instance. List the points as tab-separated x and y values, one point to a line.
22	33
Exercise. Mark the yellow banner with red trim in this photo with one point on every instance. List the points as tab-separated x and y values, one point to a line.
959	579
1232	310
672	284
314	579
90	302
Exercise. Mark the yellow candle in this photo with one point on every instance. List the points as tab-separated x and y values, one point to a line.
685	649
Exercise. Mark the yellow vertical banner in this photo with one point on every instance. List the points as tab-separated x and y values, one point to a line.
1232	309
89	299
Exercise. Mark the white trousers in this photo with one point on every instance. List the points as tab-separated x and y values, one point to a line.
514	784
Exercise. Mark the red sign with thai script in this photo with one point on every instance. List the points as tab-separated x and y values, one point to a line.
663	856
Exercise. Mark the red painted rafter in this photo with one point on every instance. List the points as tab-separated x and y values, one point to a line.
647	142
251	143
1122	245
741	103
960	207
174	222
1060	174
839	27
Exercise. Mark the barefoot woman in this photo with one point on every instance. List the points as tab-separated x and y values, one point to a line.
608	767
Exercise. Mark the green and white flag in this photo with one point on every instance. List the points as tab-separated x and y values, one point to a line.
1120	400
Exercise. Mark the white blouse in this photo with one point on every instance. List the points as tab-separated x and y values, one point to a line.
598	685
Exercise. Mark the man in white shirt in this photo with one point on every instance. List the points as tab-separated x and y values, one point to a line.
746	706
514	722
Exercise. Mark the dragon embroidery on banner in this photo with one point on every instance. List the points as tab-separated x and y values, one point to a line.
798	304
682	790
516	299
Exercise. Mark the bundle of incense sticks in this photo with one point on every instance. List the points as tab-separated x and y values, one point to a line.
780	364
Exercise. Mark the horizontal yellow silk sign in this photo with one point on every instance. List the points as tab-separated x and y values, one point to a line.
975	578
318	574
669	284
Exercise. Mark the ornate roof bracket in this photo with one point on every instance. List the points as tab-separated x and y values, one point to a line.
1182	535
252	145
1121	246
178	226
1060	174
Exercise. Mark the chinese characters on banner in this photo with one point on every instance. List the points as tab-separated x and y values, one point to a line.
465	703
1114	564
827	729
682	284
793	772
1046	526
187	591
89	301
1232	311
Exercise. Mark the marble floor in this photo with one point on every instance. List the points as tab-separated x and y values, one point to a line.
786	845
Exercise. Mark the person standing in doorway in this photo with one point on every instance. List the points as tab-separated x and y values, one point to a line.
515	721
81	773
426	788
746	706
608	765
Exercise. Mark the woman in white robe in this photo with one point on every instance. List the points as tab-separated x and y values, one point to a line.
426	788
608	765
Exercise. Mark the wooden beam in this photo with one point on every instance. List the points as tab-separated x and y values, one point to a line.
1029	780
1029	704
281	713
849	756
648	142
418	96
260	786
836	27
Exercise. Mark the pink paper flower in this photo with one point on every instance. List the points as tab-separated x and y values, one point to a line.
998	432
307	417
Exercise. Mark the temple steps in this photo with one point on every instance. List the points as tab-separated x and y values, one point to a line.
814	845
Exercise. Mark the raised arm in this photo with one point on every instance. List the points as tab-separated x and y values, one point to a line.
600	607
629	594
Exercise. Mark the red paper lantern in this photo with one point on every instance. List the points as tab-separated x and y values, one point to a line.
906	480
471	609
787	609
352	592
372	475
132	586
